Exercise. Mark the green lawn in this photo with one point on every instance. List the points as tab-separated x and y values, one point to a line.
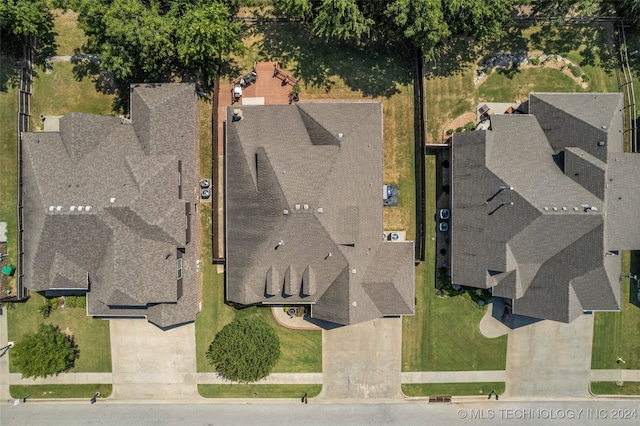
444	335
301	350
611	388
259	391
452	389
449	84
9	167
69	37
59	391
91	335
617	334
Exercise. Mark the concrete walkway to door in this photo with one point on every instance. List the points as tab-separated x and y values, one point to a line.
149	363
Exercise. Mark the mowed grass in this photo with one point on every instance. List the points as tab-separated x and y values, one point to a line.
612	388
452	389
301	350
450	89
259	391
69	38
59	93
443	335
9	168
617	334
90	334
60	391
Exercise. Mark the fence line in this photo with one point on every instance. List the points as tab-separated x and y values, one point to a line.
626	86
24	115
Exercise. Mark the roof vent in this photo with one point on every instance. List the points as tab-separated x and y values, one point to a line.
354	304
575	208
80	208
88	208
52	208
112	200
59	208
564	209
546	208
601	143
555	209
306	206
353	271
320	210
340	135
297	206
285	211
604	127
72	208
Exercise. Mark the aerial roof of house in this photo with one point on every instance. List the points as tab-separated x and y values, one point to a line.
543	202
304	212
105	205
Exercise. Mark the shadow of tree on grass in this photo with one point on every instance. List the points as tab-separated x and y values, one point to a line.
375	68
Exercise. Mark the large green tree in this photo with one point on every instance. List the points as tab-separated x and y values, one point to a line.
245	350
414	23
20	18
47	352
160	40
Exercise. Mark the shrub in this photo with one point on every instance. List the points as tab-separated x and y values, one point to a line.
49	351
449	132
575	70
460	129
45	310
470	126
534	61
585	77
245	350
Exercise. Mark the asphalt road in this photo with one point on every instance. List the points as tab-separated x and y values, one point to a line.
493	412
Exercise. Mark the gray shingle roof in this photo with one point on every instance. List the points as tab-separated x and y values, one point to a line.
545	251
102	210
304	217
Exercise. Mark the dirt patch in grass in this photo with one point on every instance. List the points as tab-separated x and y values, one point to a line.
459	121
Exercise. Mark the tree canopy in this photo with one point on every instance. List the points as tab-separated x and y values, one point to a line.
159	40
245	350
416	23
19	18
47	352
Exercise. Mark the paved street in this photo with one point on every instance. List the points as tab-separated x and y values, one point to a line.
409	413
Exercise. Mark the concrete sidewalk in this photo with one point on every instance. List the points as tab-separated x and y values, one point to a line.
615	375
272	379
63	379
454	376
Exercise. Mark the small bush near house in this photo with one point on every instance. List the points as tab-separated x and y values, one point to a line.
585	77
575	70
45	310
534	61
449	132
460	129
470	126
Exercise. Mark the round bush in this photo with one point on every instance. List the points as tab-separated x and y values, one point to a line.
245	350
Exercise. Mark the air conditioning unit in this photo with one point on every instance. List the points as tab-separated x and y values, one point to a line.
205	183
394	236
205	193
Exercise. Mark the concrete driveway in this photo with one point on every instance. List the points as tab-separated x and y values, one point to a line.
362	360
550	359
149	363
